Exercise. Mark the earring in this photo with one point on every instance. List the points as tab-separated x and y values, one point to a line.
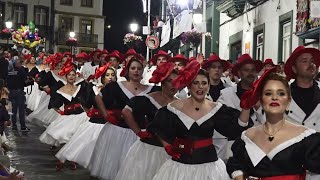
287	112
189	94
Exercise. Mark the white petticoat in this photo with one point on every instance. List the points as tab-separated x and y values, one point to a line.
80	147
33	99
42	115
142	162
62	129
178	171
111	149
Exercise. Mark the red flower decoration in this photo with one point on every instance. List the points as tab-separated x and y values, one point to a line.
162	72
67	68
252	96
186	75
101	70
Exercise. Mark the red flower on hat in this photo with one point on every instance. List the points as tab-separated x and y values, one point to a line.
186	75
100	70
252	96
66	69
162	72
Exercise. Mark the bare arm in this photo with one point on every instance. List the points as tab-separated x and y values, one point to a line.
129	118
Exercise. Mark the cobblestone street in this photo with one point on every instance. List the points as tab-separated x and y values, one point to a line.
36	159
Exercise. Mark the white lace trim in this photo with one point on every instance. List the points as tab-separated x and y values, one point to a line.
188	121
256	154
236	174
68	96
128	107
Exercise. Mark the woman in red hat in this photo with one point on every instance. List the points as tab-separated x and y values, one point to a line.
186	127
80	147
116	137
146	156
277	149
115	59
66	101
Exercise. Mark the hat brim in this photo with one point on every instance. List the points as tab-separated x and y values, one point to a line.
257	64
155	79
291	60
208	63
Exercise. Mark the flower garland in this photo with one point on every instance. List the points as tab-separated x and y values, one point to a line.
193	37
131	40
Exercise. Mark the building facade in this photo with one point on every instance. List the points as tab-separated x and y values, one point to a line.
55	19
262	28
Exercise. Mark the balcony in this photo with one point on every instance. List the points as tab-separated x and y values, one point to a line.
86	40
232	7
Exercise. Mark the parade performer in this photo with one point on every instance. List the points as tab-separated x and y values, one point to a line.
186	127
158	58
66	101
146	156
277	149
80	147
301	68
116	138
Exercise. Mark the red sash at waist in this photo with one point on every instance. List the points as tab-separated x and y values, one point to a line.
187	146
286	177
94	113
69	109
114	116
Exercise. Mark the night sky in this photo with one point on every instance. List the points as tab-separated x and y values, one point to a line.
119	14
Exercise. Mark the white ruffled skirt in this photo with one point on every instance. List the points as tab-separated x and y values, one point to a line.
62	129
42	115
142	162
33	99
178	171
80	147
111	149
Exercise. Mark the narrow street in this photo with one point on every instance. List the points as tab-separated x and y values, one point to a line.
36	159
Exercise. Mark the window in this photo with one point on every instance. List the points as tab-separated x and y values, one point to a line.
19	14
66	24
66	2
259	47
286	40
86	3
41	16
86	26
236	51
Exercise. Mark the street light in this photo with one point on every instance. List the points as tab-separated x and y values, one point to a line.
9	24
72	34
134	27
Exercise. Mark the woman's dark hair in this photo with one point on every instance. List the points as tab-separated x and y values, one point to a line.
275	77
204	73
134	59
104	74
74	70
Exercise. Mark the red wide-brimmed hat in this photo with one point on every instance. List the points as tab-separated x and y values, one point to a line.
134	53
101	70
66	69
246	59
252	96
58	56
214	58
114	54
179	57
162	72
82	55
295	54
93	52
186	75
27	57
153	60
268	61
124	71
67	54
102	52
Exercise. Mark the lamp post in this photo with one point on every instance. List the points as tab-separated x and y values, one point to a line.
8	26
134	27
71	35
